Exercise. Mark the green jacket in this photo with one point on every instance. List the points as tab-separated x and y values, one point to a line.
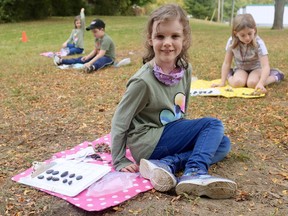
141	115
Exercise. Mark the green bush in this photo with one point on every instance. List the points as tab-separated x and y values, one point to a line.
17	10
200	8
115	7
67	7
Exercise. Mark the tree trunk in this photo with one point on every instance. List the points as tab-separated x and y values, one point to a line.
279	14
232	12
222	11
219	11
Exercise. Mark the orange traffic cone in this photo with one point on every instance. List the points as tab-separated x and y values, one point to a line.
24	37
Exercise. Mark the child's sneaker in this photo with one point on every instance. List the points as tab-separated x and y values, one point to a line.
279	75
159	174
57	60
89	69
206	185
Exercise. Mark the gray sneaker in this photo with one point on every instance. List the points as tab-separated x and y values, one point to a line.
159	174
206	185
279	75
89	69
57	60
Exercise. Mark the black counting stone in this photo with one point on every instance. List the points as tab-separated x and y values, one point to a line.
40	177
79	177
49	178
64	174
72	175
70	182
55	179
95	156
64	181
49	171
55	172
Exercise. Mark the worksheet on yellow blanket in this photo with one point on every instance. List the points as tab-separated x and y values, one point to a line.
203	88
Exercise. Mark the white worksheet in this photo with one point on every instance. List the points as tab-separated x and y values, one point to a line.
78	175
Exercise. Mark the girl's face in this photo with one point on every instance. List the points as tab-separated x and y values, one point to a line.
167	41
78	24
246	35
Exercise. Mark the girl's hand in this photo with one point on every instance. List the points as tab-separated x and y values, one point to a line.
84	58
217	85
132	168
260	87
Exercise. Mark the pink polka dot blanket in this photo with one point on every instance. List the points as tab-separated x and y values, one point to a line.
90	198
49	54
63	52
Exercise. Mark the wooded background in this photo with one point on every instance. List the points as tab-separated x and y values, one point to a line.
17	10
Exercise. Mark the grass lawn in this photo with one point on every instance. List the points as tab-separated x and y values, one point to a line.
44	110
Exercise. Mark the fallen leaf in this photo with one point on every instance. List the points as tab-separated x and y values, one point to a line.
175	198
242	196
118	209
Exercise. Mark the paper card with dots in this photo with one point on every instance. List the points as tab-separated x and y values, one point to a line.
68	177
203	88
82	200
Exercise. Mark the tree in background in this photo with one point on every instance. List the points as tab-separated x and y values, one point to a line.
200	9
18	10
279	14
204	8
115	7
66	7
157	3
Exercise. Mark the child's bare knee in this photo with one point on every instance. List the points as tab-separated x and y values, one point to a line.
251	84
238	83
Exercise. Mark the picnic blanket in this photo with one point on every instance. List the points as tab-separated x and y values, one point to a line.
51	54
203	88
92	203
62	52
72	66
123	62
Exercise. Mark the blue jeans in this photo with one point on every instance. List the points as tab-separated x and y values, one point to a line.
192	145
100	63
74	50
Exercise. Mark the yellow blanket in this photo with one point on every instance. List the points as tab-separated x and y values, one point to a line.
203	88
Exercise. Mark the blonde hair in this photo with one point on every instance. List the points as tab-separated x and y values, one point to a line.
241	22
166	13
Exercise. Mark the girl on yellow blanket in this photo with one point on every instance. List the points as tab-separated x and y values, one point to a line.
250	57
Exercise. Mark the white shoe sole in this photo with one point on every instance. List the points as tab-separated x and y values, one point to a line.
160	179
214	190
55	62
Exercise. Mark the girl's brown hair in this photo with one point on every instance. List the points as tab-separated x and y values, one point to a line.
75	19
166	13
241	22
